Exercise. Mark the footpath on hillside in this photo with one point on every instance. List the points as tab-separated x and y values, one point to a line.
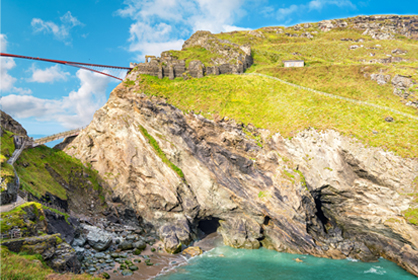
335	96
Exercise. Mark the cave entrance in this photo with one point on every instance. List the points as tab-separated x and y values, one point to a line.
209	225
319	212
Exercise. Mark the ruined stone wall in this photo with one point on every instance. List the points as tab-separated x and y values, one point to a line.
233	59
177	68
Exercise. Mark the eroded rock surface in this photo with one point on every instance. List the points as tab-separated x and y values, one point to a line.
58	254
319	193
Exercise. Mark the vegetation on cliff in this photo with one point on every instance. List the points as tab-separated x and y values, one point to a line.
43	169
23	266
7	148
159	152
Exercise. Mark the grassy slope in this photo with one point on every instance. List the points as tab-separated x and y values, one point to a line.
195	53
31	267
36	179
285	109
7	149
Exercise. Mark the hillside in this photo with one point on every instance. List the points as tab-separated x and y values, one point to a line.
51	176
381	72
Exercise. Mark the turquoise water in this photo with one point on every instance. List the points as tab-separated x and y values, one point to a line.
266	264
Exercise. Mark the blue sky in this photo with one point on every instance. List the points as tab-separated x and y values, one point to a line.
48	98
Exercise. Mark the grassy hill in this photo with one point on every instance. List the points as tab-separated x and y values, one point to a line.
43	170
331	66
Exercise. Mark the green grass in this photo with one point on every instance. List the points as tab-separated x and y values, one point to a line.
30	267
281	108
195	53
128	83
160	153
66	216
7	149
7	145
36	179
15	217
411	216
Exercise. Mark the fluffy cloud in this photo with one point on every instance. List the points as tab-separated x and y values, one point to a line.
48	75
60	31
313	5
163	24
71	111
7	63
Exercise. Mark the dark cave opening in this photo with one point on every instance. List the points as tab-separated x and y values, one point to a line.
266	220
209	225
319	213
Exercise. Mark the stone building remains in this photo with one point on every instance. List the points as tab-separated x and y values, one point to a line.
230	59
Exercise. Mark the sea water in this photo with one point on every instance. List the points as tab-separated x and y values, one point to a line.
227	263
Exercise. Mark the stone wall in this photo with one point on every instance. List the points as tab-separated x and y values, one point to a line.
171	67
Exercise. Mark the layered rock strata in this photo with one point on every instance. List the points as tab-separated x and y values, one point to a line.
319	193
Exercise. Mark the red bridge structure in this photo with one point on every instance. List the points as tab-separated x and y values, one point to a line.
98	68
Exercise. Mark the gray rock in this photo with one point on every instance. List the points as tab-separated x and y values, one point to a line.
125	245
126	272
98	238
140	245
80	241
131	237
80	251
380	78
100	255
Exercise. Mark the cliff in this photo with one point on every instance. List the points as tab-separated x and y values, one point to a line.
318	193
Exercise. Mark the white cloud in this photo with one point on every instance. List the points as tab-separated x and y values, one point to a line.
7	63
61	32
72	111
284	13
48	75
163	24
313	5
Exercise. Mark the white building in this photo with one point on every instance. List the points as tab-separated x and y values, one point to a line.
294	63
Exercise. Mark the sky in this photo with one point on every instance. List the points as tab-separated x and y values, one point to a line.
49	98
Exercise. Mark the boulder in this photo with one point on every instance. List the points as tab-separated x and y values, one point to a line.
139	244
98	238
380	78
173	236
192	251
126	272
125	245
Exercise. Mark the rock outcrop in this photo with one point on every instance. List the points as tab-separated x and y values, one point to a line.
382	27
319	193
10	124
57	254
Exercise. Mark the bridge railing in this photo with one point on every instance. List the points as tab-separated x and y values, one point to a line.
58	136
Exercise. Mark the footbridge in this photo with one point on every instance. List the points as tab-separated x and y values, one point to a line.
57	136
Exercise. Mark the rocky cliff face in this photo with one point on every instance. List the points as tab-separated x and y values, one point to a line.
8	123
380	27
319	193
